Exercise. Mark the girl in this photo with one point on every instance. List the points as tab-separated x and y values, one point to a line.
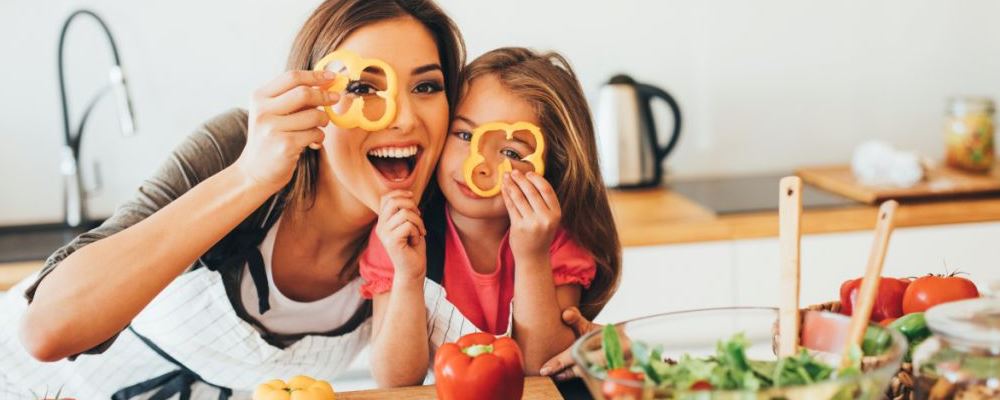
546	243
236	262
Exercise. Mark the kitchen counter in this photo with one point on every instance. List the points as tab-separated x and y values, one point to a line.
535	388
12	273
659	216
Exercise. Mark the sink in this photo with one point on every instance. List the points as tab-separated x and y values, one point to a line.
35	242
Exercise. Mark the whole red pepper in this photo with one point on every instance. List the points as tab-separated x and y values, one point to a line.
479	366
888	302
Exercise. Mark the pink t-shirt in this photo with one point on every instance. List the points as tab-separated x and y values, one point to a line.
483	298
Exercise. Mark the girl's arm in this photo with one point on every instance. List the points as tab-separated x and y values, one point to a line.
97	290
538	327
400	354
534	220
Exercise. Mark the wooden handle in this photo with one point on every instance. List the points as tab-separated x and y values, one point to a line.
869	285
789	238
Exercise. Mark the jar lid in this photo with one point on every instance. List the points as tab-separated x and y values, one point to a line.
970	105
972	324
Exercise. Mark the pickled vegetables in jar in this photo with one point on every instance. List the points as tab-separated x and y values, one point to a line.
969	134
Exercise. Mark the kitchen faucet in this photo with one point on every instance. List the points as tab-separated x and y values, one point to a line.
75	198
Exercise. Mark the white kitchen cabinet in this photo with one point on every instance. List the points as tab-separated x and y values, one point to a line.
657	279
829	259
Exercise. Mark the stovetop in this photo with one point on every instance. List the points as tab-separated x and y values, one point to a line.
751	194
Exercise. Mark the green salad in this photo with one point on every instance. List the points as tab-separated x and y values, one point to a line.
728	369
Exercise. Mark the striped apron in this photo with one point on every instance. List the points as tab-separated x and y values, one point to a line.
187	343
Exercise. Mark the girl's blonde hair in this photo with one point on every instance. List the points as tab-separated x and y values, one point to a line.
547	82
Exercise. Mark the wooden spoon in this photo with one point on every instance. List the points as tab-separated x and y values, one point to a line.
862	311
789	239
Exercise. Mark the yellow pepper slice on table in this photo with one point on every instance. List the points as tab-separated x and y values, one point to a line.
476	157
354	117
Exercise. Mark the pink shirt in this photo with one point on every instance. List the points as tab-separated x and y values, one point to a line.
483	298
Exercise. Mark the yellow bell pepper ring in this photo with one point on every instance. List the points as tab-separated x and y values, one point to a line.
354	117
300	387
476	157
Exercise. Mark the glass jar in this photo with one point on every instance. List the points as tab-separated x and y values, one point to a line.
969	134
962	359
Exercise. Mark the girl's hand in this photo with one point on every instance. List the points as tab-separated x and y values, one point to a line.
534	213
402	233
284	118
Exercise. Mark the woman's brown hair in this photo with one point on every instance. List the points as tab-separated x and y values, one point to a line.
547	82
333	21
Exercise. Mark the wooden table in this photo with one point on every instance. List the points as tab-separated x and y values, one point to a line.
539	388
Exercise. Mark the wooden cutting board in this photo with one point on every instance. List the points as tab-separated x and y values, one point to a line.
535	388
941	181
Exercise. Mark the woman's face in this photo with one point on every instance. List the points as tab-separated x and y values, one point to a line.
401	156
485	100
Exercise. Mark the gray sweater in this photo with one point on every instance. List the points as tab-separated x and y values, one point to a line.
210	149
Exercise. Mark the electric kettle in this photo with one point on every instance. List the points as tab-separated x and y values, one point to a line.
628	142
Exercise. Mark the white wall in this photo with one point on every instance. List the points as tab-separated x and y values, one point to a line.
765	85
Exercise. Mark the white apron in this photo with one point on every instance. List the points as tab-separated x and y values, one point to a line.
192	322
445	323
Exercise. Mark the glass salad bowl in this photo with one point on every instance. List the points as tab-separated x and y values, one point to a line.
722	353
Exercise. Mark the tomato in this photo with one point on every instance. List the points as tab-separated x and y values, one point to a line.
931	290
885	322
701	385
888	302
617	391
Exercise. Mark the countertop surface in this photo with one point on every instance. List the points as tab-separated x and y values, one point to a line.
535	388
659	216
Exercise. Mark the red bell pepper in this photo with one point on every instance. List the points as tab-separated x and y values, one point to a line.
479	366
888	302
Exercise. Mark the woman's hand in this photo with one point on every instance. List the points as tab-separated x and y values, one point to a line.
402	233
284	119
561	366
534	214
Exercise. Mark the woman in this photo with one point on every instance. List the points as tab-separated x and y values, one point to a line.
236	263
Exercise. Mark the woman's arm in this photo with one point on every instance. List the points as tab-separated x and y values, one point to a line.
99	288
400	354
560	367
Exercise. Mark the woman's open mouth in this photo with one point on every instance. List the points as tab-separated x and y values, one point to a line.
395	163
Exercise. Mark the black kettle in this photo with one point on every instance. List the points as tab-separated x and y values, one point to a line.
628	141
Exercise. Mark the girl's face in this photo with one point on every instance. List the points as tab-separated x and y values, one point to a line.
401	156
485	100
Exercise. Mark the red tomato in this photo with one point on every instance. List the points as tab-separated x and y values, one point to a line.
887	321
701	385
931	290
618	391
888	302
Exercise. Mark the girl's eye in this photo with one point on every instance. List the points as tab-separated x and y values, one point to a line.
428	87
463	136
360	88
511	154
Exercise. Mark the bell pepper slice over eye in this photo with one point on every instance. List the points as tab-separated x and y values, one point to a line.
354	116
476	156
300	387
479	366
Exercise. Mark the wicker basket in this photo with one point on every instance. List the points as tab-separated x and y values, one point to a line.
901	386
